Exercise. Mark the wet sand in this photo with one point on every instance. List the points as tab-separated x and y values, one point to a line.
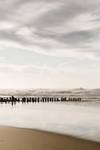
29	139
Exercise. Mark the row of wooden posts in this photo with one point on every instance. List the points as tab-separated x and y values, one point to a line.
13	100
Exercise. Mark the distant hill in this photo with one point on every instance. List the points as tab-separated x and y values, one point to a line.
78	92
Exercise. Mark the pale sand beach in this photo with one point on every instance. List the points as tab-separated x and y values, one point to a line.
29	139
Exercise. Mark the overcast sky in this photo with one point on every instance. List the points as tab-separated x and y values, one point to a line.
49	43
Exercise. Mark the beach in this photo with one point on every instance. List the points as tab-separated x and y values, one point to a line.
12	138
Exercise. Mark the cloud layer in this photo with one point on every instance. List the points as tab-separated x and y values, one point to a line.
53	39
51	27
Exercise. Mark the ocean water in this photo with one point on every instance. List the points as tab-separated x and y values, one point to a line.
81	119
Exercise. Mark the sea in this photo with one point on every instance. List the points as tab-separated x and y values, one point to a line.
79	119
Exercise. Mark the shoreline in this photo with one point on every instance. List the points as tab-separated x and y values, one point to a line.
13	138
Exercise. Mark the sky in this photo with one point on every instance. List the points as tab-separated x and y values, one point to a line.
49	43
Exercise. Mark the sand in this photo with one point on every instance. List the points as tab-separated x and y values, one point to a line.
29	139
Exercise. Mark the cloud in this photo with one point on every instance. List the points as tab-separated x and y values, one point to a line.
2	59
55	27
11	68
28	69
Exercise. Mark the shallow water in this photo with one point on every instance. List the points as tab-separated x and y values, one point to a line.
77	119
